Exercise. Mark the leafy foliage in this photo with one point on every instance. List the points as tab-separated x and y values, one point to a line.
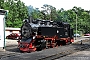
18	11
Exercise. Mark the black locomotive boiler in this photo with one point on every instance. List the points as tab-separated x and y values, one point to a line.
41	34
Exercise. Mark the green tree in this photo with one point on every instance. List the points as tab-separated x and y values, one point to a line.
17	12
49	12
1	4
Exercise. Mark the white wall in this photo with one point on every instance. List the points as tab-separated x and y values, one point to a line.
2	30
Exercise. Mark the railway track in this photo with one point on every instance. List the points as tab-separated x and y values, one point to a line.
80	47
56	56
59	52
8	54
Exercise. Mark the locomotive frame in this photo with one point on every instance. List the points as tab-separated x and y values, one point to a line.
42	34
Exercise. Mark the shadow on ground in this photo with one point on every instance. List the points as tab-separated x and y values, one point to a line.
12	48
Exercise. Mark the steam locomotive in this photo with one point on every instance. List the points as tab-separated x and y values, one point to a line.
42	34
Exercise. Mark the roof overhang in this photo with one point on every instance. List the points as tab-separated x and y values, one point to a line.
3	12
